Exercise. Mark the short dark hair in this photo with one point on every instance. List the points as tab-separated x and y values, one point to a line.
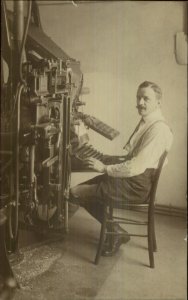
152	85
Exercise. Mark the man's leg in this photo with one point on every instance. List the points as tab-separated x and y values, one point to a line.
87	196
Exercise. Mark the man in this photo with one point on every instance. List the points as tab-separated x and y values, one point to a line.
129	180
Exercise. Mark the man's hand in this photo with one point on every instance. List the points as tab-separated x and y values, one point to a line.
95	164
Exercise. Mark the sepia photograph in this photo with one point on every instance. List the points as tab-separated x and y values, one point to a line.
93	150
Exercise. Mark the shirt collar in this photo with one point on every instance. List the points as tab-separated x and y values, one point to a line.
154	116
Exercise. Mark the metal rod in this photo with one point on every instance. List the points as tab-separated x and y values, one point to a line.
123	234
19	21
17	156
32	164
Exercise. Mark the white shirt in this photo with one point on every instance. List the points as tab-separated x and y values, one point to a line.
146	151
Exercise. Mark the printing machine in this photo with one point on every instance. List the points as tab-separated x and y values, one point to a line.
40	111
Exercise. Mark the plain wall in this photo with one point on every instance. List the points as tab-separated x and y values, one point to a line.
119	45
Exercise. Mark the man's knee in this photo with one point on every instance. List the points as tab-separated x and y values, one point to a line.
84	191
73	196
74	191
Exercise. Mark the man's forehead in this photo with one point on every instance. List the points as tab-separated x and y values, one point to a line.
146	91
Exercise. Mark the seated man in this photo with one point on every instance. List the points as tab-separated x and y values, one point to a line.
131	179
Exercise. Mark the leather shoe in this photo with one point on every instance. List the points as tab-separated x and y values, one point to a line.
110	251
118	229
117	242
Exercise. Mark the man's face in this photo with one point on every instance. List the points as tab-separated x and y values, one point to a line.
147	101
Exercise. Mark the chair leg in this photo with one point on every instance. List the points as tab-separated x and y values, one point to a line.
150	245
102	236
111	227
154	238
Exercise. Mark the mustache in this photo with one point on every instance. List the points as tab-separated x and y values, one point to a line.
139	106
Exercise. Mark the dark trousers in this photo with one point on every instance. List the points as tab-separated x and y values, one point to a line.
93	193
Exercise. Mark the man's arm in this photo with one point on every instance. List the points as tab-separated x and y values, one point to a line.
145	156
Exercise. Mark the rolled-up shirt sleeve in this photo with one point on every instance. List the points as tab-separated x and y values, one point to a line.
146	155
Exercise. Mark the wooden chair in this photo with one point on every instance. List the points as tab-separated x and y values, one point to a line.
109	219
